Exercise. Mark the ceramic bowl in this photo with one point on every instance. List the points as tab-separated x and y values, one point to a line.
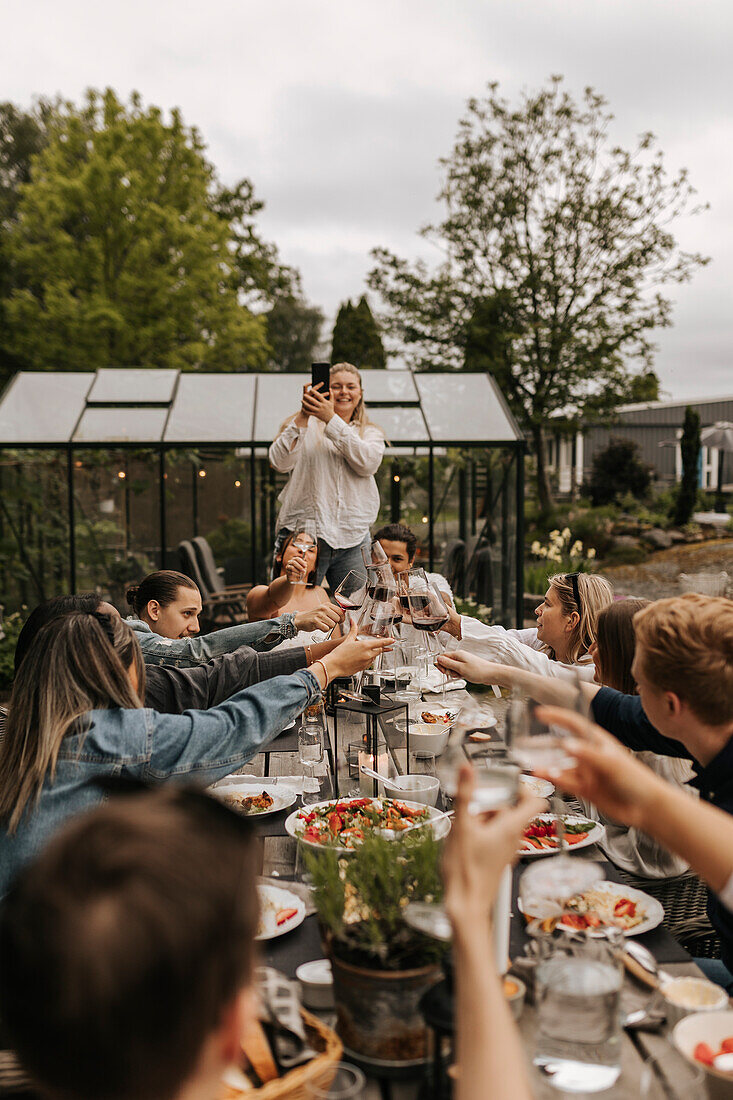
414	788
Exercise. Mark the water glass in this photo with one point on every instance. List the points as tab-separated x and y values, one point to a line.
311	746
422	762
578	984
533	744
348	1083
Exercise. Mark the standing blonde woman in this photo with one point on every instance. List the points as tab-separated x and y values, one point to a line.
332	451
567	623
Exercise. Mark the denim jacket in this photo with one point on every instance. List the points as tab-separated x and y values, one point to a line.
197	746
187	652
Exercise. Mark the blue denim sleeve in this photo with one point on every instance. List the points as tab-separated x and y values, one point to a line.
262	636
206	745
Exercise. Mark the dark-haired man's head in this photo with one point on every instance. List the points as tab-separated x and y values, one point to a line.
55	609
169	602
126	950
399	544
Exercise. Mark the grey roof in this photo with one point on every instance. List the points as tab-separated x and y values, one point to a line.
136	406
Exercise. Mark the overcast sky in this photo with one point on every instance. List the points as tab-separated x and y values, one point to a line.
339	112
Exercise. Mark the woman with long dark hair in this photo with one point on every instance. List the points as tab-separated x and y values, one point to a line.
75	716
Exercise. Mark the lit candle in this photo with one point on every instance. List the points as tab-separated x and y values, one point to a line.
379	764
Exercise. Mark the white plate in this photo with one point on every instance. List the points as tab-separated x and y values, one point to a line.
452	713
282	796
272	900
294	825
594	835
542	788
654	908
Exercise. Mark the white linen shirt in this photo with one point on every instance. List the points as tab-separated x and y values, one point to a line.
331	485
520	648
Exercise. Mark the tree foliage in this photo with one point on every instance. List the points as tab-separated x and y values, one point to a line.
690	447
356	338
618	470
556	245
122	246
293	333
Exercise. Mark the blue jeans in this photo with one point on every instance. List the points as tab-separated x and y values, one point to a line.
335	564
716	971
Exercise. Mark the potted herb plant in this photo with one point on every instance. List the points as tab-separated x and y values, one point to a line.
381	966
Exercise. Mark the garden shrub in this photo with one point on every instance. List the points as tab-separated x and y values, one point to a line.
618	470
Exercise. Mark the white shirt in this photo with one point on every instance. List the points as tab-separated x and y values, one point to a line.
331	485
519	648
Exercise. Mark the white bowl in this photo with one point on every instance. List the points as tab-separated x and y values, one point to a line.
316	983
679	991
425	737
414	788
710	1028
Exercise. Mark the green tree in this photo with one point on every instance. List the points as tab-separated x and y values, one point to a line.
121	251
690	447
293	332
556	245
618	470
356	337
22	136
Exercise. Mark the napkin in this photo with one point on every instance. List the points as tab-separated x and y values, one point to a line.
433	681
280	1014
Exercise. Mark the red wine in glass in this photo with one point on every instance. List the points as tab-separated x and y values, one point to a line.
430	623
380	593
346	604
386	621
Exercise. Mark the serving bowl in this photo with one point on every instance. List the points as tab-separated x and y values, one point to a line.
416	788
710	1028
426	737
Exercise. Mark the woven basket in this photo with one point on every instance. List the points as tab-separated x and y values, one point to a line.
319	1071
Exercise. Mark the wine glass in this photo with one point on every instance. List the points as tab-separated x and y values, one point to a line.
375	555
428	613
303	541
350	594
496	778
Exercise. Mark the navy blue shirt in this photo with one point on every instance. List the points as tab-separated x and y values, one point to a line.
624	717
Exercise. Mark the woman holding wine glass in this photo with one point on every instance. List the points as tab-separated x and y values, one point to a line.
332	450
294	588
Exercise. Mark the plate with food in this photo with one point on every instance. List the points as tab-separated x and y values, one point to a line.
614	903
343	823
254	799
608	903
540	836
438	716
280	911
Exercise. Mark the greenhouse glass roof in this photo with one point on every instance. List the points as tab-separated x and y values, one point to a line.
134	406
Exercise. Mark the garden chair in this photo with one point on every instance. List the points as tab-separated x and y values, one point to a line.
219	608
706	584
212	575
453	567
480	577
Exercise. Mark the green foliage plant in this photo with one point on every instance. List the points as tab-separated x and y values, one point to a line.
356	338
618	470
690	447
360	899
556	244
11	628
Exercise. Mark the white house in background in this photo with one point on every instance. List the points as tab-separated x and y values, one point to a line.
649	424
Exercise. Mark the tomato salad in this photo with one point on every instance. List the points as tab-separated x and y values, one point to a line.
543	834
345	822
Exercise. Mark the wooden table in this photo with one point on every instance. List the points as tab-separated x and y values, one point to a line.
304	943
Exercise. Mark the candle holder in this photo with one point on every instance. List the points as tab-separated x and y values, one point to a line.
375	732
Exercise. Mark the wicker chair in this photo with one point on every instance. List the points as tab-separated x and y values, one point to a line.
684	898
706	584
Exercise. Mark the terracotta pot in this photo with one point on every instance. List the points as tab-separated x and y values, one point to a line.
378	1010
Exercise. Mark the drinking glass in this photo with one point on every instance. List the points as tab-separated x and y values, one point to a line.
305	539
348	1083
428	614
578	983
534	744
422	762
311	741
496	777
381	584
375	555
351	593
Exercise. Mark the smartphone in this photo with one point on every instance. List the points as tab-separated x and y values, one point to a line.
321	372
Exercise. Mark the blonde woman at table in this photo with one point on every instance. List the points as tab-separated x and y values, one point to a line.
560	643
332	450
490	1059
631	849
